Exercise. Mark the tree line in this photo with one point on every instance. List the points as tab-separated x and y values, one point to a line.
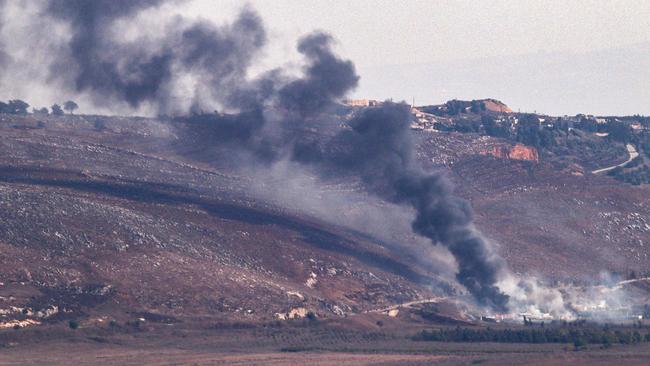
574	335
20	107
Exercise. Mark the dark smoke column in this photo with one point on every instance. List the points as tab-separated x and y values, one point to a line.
382	150
379	143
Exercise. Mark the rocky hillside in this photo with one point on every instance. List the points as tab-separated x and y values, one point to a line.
516	152
557	221
111	217
99	216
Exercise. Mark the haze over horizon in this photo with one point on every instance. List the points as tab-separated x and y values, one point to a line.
550	57
554	57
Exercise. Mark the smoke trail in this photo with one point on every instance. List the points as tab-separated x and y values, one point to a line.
270	112
99	64
145	70
273	107
383	154
327	78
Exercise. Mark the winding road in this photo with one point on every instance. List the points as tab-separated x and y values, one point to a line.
631	150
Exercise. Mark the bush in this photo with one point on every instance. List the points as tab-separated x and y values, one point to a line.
571	335
73	324
579	343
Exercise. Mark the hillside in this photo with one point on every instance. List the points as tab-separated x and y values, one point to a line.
112	215
113	209
129	226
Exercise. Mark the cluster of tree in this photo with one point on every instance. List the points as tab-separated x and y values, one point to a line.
491	127
467	126
635	177
575	335
636	172
619	131
456	107
528	131
18	106
15	106
643	142
587	124
477	106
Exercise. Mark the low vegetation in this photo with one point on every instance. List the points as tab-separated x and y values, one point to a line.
566	334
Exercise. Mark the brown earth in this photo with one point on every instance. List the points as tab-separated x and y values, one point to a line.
127	218
318	344
516	152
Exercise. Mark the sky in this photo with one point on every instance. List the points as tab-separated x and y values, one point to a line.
556	57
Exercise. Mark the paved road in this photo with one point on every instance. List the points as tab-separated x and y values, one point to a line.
409	304
631	150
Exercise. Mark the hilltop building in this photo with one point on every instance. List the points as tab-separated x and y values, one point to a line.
361	102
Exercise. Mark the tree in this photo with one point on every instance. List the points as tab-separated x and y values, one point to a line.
18	106
528	130
579	344
619	131
70	106
475	106
493	129
587	124
56	110
43	111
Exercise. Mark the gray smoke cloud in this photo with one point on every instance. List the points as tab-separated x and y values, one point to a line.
383	153
97	62
3	54
327	78
378	147
94	62
268	114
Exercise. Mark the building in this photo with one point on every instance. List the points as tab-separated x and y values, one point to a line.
361	102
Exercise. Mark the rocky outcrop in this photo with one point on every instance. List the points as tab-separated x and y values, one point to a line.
496	106
517	152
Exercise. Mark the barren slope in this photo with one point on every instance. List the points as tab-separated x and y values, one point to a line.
84	212
110	216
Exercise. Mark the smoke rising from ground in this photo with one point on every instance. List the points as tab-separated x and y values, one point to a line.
297	188
383	154
268	112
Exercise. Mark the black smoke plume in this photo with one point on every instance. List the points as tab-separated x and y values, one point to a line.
383	154
327	78
95	61
268	112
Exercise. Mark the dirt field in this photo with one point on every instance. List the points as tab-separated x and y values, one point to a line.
298	344
89	352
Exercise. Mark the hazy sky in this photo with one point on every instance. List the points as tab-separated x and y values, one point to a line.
582	56
556	57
